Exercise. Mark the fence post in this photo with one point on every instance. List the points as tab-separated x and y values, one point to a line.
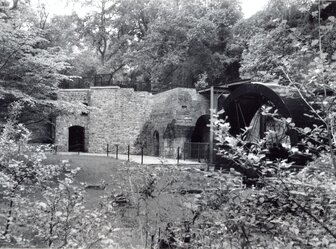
107	150
117	151
208	156
128	152
141	154
205	152
178	155
198	153
189	150
184	152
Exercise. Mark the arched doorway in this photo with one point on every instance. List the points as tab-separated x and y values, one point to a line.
76	138
198	148
201	133
156	143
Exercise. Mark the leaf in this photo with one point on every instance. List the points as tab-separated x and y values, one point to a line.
314	42
293	192
332	18
333	57
306	130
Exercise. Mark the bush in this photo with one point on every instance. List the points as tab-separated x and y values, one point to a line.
40	203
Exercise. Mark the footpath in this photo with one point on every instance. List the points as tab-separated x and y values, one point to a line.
138	159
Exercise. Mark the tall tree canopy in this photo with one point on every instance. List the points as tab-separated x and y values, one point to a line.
30	68
160	42
189	39
292	41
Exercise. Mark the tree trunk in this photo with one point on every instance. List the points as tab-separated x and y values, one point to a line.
9	218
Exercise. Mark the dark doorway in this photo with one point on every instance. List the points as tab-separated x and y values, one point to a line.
76	138
156	143
198	147
201	132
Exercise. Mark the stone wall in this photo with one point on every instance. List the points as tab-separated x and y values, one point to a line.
117	117
74	117
174	115
125	117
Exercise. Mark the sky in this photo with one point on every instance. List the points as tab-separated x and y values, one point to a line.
252	6
58	7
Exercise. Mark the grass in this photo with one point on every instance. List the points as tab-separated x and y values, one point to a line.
117	174
152	205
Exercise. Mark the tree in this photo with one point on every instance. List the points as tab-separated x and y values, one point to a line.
110	37
42	205
187	40
285	33
30	69
300	54
294	208
163	43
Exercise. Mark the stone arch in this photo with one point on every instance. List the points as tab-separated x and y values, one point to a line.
156	143
76	140
201	132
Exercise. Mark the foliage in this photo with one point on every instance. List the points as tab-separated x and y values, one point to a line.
30	69
285	38
291	211
41	204
177	56
201	83
158	42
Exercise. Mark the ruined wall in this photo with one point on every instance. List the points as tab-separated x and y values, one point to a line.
125	117
73	117
117	116
174	115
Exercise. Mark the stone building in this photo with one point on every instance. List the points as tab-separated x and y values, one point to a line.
160	123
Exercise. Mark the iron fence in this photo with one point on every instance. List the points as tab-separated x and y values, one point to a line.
196	151
103	80
109	80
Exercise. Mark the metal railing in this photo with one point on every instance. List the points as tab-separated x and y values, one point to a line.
109	80
196	151
103	80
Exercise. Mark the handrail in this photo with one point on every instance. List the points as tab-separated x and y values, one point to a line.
102	80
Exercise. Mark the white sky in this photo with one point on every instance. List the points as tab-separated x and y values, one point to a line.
59	7
252	6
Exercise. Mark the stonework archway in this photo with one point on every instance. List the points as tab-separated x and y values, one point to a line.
76	138
201	133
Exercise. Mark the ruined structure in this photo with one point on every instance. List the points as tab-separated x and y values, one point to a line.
160	123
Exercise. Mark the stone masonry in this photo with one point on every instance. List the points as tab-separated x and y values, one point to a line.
73	118
125	117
